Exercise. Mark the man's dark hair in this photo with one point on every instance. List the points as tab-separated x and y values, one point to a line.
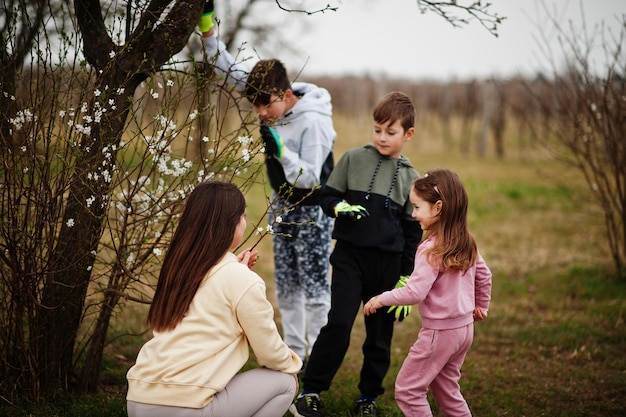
268	77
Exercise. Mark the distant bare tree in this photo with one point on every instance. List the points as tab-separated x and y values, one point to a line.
469	108
498	117
586	121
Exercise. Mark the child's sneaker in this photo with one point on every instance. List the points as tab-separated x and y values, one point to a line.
306	405
365	408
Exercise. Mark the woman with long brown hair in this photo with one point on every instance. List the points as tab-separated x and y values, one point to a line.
208	310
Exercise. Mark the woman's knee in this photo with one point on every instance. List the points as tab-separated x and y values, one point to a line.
292	385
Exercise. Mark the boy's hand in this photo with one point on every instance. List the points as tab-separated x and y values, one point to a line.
400	311
205	24
271	141
355	212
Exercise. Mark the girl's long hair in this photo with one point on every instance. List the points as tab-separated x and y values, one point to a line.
204	234
455	247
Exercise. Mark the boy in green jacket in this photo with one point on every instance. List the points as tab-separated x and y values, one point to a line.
376	239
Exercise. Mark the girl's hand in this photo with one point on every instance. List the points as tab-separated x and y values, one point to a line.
480	314
248	257
371	306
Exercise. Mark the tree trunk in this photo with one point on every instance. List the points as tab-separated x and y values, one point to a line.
147	49
90	375
66	286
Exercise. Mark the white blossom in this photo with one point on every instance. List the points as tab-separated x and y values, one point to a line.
70	223
22	117
245	140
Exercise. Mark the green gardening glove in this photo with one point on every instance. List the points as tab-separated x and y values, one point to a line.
355	212
272	142
206	23
400	312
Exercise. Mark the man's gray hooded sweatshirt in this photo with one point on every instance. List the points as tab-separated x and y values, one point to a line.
306	131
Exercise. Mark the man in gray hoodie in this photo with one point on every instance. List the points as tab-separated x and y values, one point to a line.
298	134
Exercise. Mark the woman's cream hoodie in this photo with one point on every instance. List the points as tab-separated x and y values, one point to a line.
229	314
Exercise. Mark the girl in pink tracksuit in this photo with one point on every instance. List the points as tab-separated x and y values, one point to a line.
451	283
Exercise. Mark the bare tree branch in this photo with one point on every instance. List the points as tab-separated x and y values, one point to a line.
476	9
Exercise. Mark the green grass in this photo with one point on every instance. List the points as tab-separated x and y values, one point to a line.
555	340
551	347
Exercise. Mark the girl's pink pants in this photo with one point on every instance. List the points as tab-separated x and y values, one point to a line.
434	361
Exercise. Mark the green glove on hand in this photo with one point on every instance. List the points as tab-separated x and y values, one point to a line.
206	23
400	311
272	142
355	212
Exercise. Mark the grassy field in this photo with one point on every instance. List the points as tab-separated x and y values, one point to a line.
555	340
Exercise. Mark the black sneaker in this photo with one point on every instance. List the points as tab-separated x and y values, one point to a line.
307	405
365	408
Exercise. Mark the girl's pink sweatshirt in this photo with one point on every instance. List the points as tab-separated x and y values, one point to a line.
446	299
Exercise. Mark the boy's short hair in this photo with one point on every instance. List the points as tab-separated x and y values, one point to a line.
268	77
395	106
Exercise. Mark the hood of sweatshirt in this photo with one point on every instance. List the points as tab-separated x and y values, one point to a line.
312	99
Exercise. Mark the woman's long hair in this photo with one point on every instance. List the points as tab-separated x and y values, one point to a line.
455	247
204	234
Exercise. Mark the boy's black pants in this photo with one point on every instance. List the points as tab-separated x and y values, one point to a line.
358	274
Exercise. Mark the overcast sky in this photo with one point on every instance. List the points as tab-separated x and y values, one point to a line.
392	37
